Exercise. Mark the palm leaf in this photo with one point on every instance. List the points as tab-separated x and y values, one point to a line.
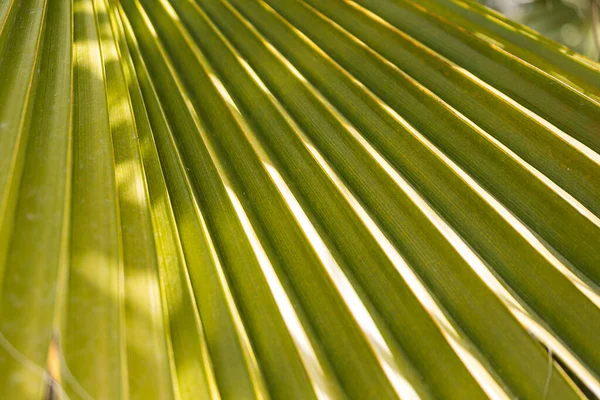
295	199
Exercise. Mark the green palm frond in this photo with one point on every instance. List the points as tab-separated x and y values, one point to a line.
295	199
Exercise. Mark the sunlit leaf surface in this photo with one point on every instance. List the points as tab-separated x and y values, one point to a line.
295	199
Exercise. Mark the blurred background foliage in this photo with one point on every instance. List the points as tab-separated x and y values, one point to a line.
574	23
